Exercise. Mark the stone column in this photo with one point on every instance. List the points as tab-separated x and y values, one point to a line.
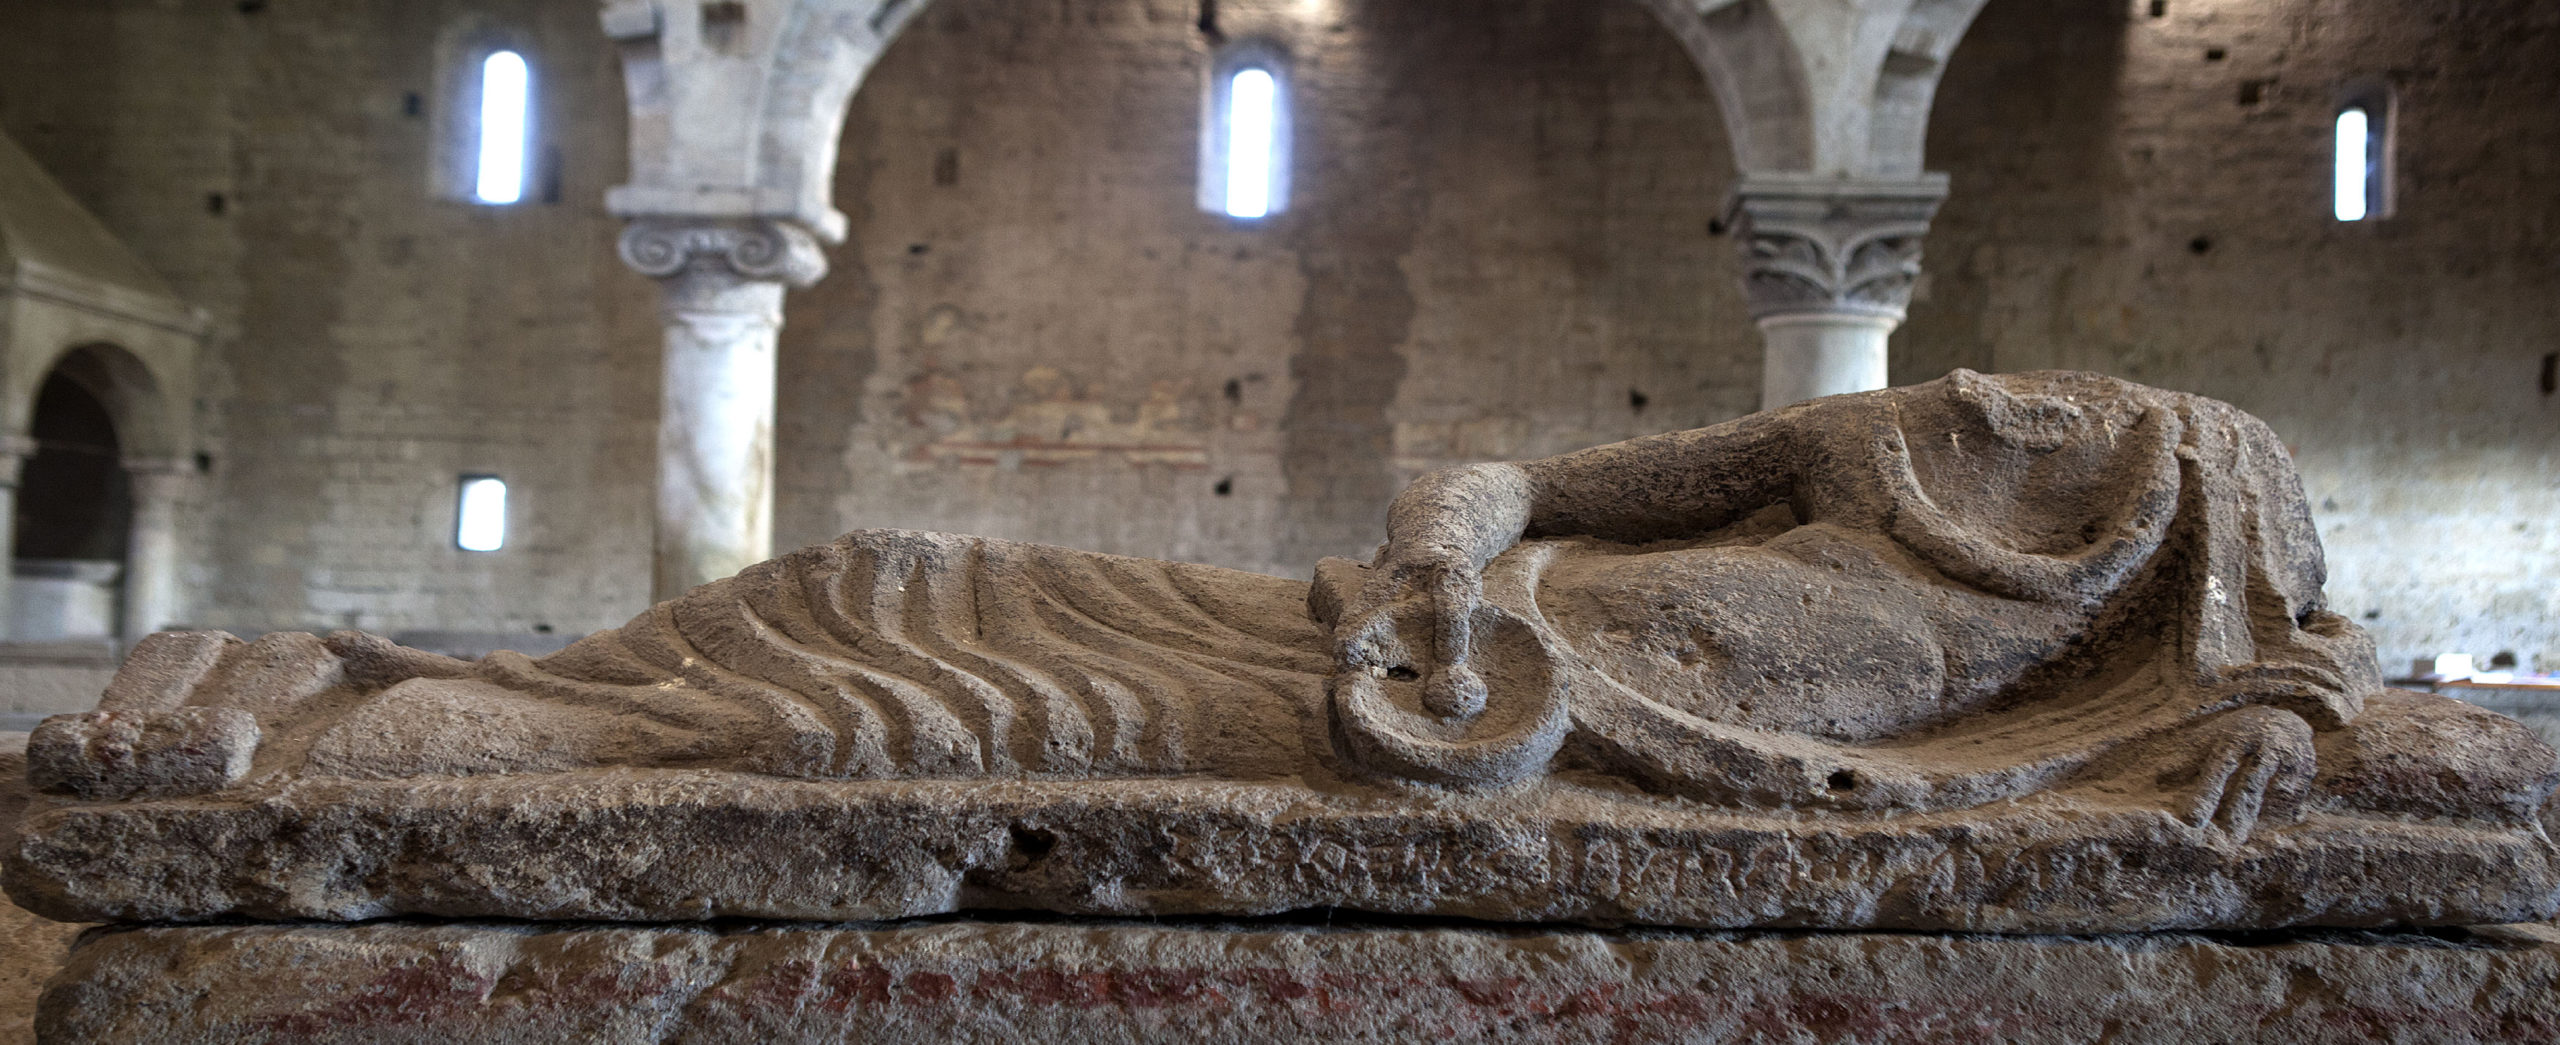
151	552
14	451
722	282
1828	266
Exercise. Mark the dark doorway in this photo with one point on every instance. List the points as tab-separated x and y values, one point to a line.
73	500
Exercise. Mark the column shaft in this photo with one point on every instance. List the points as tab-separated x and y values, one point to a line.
151	552
14	451
1816	354
723	281
715	427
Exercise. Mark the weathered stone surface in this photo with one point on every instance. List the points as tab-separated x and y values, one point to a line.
1064	982
674	845
31	948
129	754
2029	653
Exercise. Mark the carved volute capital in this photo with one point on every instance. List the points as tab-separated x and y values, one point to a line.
753	249
1839	247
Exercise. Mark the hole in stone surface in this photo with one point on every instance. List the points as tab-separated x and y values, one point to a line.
2373	614
1842	780
2253	91
216	203
1636	399
2159	8
542	629
2550	372
1403	673
2200	245
411	104
917	248
1031	844
2215	54
1226	487
1235	390
2503	660
722	21
250	7
204	462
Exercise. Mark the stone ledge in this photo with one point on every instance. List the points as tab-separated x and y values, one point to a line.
1077	981
629	846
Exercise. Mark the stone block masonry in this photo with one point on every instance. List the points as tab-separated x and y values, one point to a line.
973	981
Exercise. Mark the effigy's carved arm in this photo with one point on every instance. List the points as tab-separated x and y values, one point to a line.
1412	615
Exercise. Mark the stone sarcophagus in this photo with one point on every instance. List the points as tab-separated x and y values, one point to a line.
2033	653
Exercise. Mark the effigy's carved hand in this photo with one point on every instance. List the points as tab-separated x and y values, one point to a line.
1413	615
1411	619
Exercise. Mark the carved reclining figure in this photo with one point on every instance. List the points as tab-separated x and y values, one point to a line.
1965	606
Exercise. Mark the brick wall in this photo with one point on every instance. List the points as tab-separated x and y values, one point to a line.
2150	196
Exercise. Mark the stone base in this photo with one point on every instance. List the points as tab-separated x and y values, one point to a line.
1063	981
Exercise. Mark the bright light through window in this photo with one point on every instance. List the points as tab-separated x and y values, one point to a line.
505	91
482	526
1253	123
2355	165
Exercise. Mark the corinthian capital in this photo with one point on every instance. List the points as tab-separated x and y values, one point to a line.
752	248
1833	245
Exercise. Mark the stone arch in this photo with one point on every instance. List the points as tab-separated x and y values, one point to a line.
136	398
1757	76
143	470
1822	88
74	502
737	106
1907	83
72	513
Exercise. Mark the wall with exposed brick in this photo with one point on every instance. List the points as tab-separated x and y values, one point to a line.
375	339
1498	246
2148	195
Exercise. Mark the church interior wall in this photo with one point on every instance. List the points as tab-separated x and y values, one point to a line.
2149	196
1498	245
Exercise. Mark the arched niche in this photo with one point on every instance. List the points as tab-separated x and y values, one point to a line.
91	527
73	518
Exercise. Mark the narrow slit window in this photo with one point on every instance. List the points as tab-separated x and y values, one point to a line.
506	96
481	522
1244	156
2361	137
1253	117
2354	176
